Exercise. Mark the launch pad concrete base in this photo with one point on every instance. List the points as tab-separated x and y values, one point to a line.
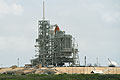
60	70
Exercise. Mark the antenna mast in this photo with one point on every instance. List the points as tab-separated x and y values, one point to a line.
43	10
18	62
109	60
85	60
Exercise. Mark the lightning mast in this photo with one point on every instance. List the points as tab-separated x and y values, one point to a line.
43	10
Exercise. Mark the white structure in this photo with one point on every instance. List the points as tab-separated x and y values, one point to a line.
97	72
112	63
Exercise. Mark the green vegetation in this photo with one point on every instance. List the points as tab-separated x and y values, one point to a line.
60	77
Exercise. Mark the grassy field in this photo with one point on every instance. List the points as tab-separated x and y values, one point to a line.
60	77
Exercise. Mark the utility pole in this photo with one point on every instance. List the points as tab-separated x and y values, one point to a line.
1	65
18	62
97	61
85	60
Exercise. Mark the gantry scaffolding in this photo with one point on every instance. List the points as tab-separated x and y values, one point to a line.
54	47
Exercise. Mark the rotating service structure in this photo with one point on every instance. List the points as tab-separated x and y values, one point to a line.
54	47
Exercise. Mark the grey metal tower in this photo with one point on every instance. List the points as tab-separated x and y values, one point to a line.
54	47
43	44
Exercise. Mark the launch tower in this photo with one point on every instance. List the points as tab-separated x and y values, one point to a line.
54	46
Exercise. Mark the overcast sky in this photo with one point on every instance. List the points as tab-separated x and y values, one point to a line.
94	23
